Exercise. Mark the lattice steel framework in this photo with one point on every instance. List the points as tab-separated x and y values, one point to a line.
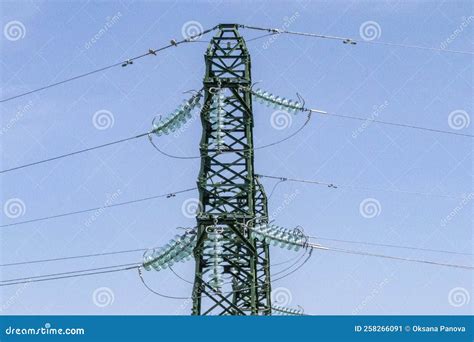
234	278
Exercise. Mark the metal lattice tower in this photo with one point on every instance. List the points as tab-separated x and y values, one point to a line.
232	268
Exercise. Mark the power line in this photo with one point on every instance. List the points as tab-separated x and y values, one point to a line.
72	257
349	251
390	245
268	99
69	276
395	124
168	195
336	186
169	155
224	151
123	267
272	31
141	135
123	64
172	194
73	153
72	274
69	272
154	291
352	41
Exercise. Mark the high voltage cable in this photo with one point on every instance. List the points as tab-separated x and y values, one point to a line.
395	124
233	150
123	267
390	245
123	64
349	251
72	257
73	153
272	31
102	254
168	195
172	194
70	274
137	137
320	112
269	100
141	135
352	41
335	186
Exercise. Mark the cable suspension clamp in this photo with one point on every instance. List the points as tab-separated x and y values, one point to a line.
127	62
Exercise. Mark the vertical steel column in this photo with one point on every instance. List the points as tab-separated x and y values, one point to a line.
237	282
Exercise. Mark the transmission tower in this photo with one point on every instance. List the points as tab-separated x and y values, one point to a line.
232	275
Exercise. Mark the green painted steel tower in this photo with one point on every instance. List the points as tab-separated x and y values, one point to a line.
232	268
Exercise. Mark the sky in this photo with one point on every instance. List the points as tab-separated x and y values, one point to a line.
43	42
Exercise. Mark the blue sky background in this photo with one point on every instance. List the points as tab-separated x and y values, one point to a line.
419	87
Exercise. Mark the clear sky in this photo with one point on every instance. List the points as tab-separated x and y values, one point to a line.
421	87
